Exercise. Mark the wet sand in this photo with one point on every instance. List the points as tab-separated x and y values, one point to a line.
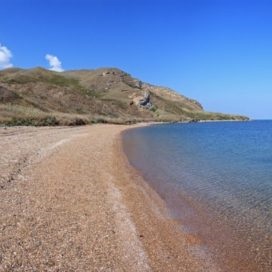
70	201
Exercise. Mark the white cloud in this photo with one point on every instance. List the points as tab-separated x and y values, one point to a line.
5	57
54	63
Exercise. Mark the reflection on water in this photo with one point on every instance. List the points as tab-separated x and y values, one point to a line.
217	180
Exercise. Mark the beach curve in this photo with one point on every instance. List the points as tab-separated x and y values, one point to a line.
70	201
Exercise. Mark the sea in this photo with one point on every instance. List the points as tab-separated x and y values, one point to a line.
216	180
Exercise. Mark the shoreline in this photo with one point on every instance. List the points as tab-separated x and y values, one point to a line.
70	200
184	250
217	246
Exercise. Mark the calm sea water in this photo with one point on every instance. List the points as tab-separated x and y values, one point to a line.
216	179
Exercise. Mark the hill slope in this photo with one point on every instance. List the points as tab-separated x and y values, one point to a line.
42	97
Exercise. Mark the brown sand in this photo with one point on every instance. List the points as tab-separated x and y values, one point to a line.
69	201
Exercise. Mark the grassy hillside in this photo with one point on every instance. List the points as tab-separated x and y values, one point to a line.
41	97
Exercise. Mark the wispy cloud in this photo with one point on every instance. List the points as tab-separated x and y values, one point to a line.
5	57
54	63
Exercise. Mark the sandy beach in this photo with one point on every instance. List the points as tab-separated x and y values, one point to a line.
70	201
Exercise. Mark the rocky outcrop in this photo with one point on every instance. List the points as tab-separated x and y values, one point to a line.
171	95
143	101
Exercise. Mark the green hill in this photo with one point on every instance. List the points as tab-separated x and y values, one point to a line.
42	97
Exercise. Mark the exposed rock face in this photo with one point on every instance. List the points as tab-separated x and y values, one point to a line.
143	101
172	95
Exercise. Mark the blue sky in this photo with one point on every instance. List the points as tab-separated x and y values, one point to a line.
216	51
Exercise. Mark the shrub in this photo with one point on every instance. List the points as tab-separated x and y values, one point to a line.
28	121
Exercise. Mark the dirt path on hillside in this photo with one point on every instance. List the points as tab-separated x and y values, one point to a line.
69	202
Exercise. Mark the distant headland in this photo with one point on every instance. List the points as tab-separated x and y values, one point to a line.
107	95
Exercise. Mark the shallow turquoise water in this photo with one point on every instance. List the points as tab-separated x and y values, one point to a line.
217	180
